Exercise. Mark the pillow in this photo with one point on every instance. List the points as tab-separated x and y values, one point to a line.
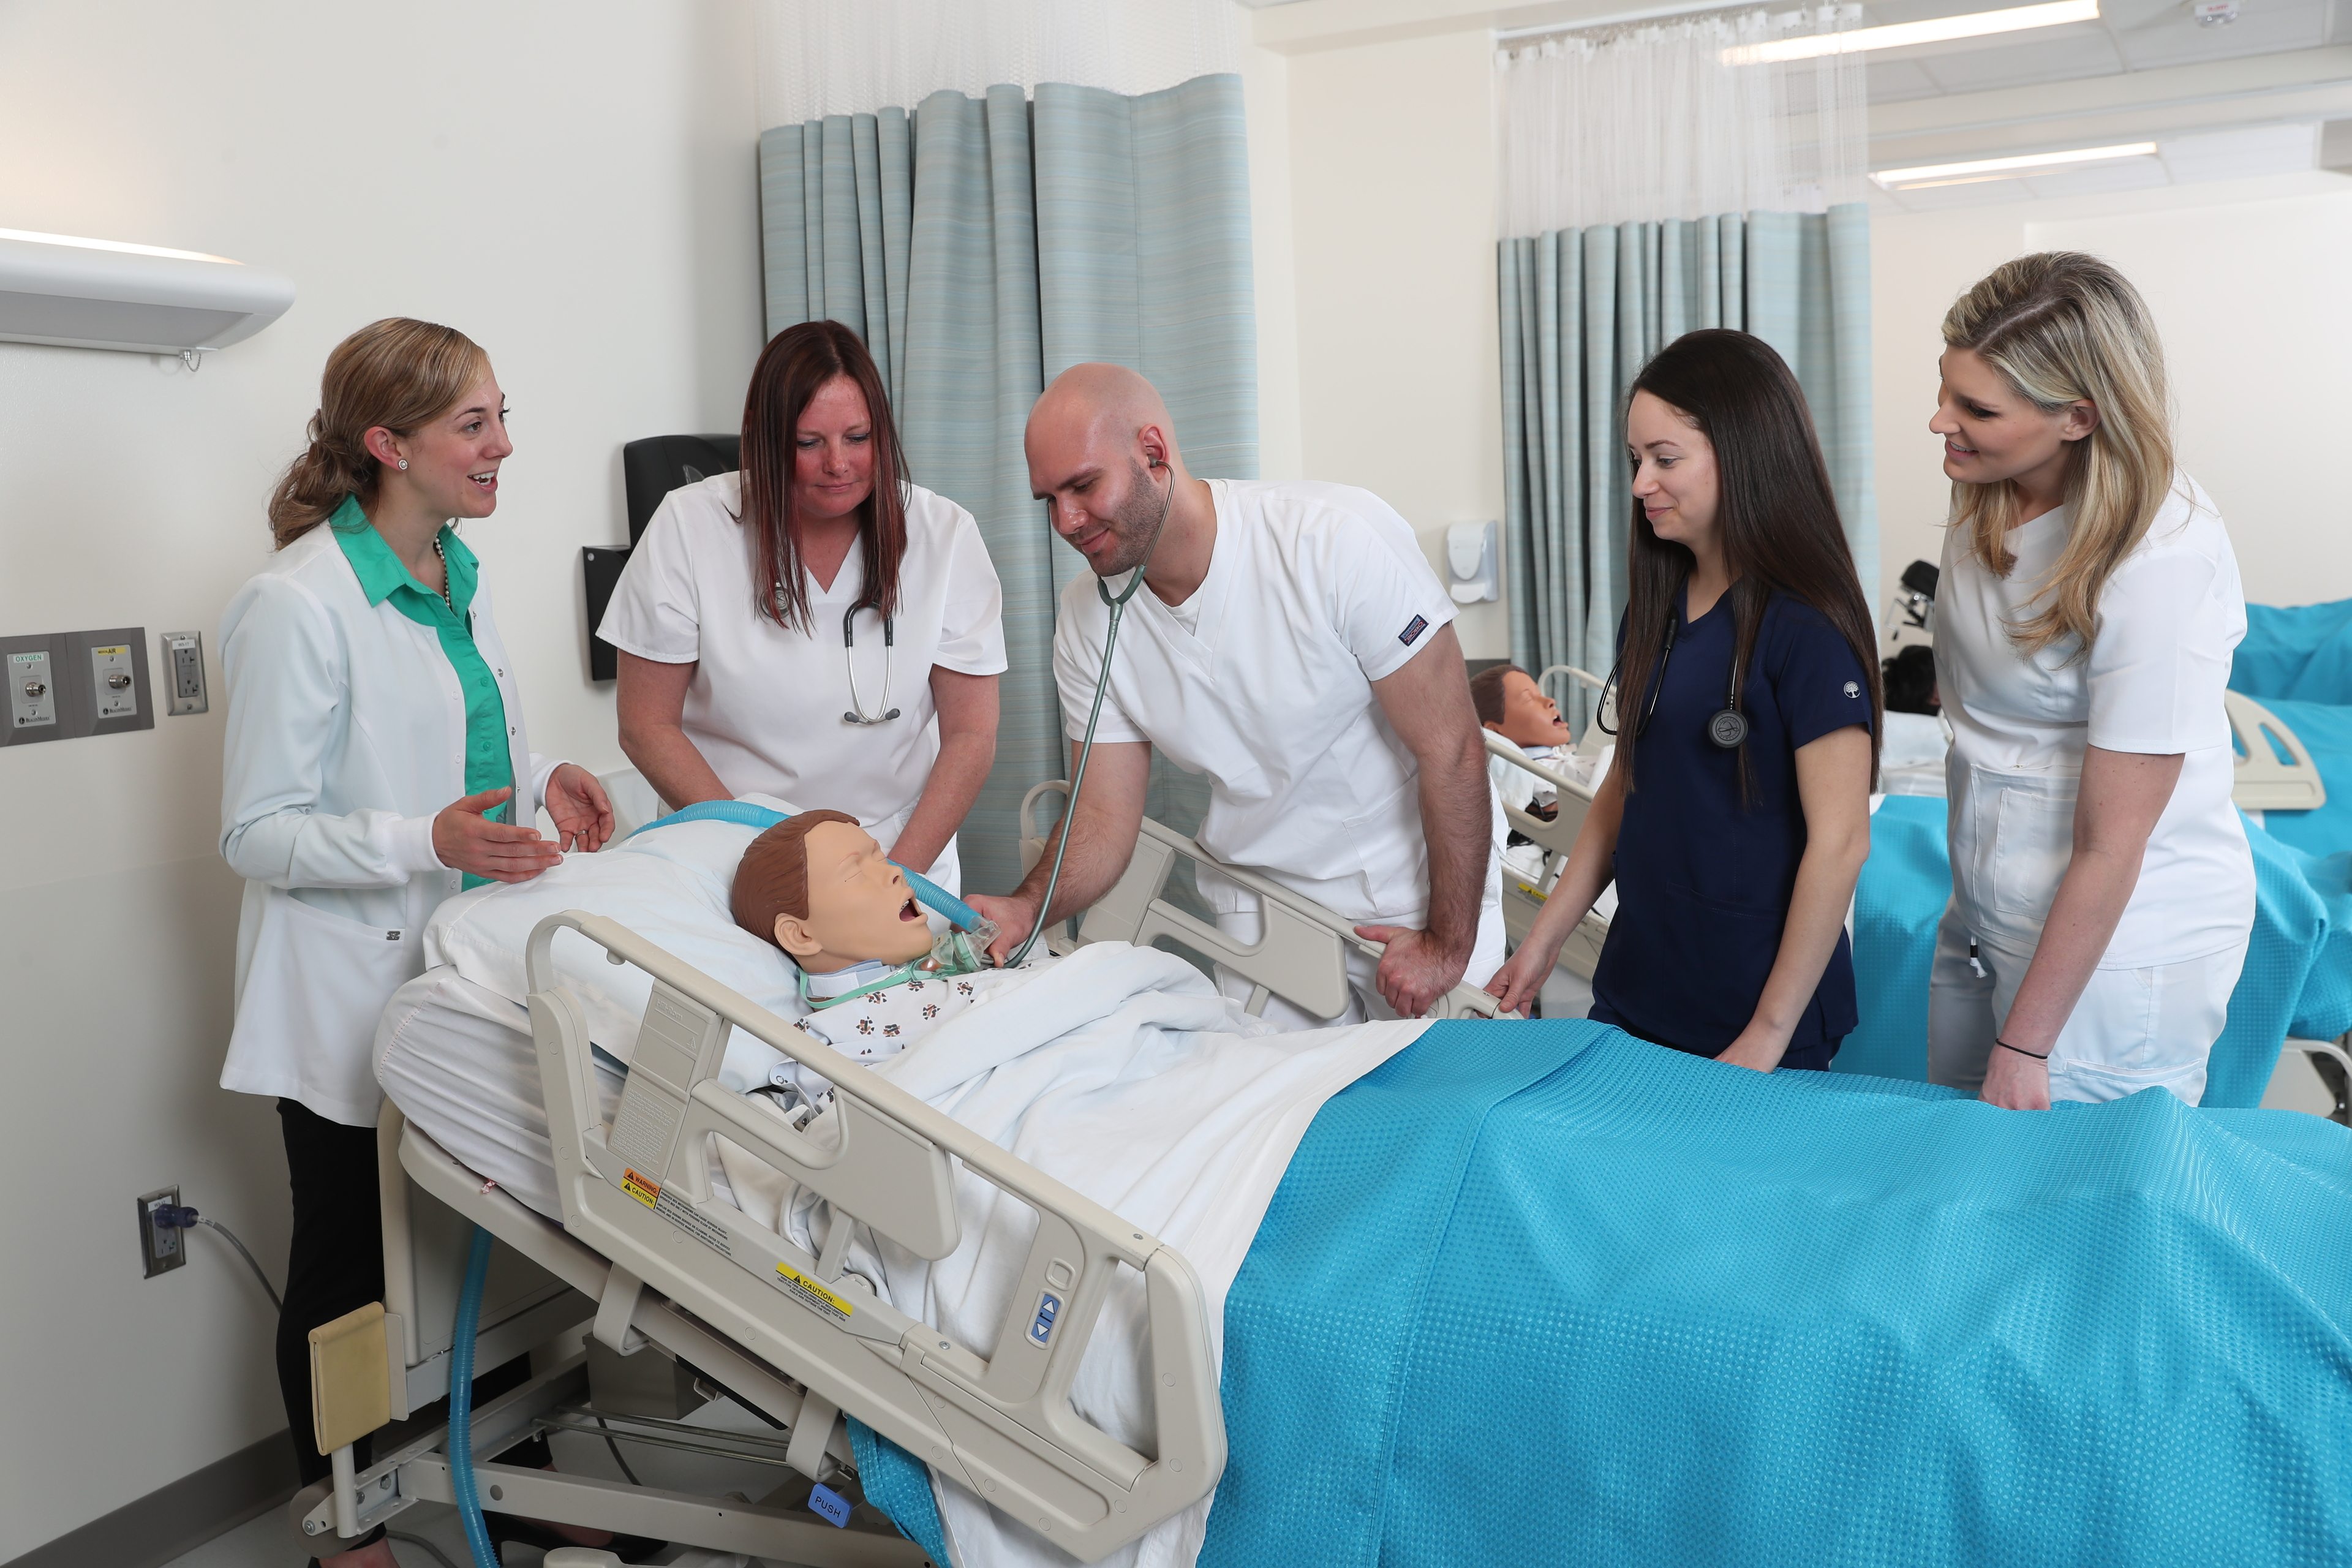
669	886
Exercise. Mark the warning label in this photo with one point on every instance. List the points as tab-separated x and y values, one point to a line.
826	1302
645	1192
681	1213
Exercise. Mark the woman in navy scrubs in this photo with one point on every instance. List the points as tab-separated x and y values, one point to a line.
1735	814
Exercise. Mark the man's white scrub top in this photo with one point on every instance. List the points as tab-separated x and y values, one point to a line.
766	702
1262	681
2151	681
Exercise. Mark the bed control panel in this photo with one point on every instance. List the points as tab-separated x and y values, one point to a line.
679	1045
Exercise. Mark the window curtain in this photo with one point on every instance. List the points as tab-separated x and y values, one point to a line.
982	245
1657	181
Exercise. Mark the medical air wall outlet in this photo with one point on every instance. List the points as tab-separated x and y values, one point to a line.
1472	549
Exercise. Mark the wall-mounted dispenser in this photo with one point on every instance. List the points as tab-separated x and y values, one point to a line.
140	299
1472	551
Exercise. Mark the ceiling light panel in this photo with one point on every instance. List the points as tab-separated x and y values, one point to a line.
1900	34
1894	179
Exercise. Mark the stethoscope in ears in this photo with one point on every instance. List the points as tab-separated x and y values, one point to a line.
1118	606
857	713
1726	726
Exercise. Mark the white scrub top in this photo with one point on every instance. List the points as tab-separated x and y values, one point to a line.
1262	681
346	736
766	702
2150	683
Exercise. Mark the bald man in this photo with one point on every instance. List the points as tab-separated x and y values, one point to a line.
1291	643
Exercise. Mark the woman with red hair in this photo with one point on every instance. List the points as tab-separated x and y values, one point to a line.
817	626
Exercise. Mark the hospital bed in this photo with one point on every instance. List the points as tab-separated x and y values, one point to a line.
744	1313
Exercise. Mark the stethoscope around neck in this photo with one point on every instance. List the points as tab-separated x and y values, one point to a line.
1726	726
857	713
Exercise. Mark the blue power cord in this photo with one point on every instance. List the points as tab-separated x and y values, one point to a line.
461	1404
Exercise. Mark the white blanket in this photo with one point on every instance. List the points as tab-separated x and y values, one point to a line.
670	886
1122	1072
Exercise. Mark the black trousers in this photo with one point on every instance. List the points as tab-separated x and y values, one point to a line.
335	1262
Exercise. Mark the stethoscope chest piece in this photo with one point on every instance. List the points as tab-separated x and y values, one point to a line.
1727	728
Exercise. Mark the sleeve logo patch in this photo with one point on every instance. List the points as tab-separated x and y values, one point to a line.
1854	689
1413	628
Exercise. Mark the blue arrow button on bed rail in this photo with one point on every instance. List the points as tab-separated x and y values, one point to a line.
1049	1307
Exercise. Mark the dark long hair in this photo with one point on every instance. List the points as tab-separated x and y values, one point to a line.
1776	511
795	363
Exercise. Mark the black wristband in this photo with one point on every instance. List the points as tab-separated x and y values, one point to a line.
2021	1050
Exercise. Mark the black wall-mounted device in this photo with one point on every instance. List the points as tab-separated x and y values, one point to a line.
650	469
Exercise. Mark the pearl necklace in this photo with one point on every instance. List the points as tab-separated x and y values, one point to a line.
443	556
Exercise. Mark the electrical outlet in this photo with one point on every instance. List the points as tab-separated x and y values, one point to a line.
161	1246
183	672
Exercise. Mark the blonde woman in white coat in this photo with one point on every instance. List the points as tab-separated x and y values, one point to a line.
376	763
2103	893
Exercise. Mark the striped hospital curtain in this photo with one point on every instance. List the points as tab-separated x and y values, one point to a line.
986	244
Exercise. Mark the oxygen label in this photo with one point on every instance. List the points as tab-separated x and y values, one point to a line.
824	1302
700	1227
645	1192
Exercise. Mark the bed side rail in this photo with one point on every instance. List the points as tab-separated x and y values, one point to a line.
1558	836
2263	783
1000	1424
1301	954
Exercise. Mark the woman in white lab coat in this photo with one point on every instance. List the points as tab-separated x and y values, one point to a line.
376	762
817	628
2103	893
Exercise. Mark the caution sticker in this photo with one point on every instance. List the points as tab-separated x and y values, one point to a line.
645	1192
828	1302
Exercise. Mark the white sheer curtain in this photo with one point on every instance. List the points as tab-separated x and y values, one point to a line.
851	57
1652	122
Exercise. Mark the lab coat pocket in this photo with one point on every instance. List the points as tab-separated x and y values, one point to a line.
316	990
2033	843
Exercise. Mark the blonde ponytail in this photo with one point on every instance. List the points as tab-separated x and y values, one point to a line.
2063	327
396	373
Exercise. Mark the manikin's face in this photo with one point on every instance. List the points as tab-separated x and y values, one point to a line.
1993	432
1529	718
833	452
860	907
453	460
1673	472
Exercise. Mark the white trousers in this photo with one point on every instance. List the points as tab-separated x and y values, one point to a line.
1364	1000
2133	1029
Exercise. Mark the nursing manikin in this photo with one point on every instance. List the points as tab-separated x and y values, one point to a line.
1510	704
2102	893
1289	644
820	888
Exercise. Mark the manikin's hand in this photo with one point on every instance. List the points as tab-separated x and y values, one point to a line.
466	840
1415	971
1015	919
2015	1082
1758	1046
578	807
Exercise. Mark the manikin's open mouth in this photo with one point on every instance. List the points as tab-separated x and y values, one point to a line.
908	911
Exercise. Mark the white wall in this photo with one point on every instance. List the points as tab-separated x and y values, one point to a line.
2246	281
1399	374
574	184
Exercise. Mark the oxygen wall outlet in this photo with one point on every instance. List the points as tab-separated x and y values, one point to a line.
161	1248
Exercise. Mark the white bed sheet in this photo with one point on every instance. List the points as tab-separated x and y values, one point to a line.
458	1060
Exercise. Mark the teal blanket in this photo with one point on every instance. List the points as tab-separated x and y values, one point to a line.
1536	1293
1541	1293
2299	651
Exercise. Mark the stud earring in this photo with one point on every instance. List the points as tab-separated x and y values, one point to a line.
404	465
